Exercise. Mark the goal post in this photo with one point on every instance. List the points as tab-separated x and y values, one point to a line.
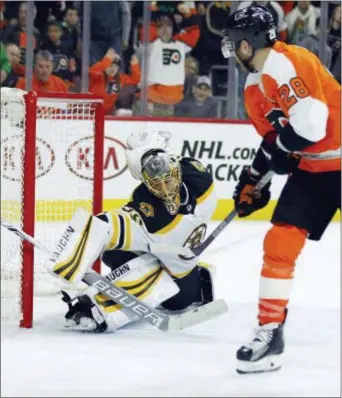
51	163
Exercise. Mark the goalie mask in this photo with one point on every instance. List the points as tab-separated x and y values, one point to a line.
161	173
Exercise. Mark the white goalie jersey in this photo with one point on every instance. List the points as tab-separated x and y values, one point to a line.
145	219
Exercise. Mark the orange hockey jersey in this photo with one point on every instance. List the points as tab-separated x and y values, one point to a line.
54	84
294	87
108	87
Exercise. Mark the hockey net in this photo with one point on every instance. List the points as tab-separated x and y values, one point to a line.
51	164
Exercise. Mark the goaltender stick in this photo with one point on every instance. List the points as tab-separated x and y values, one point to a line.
171	206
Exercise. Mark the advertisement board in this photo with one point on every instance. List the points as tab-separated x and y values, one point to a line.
64	159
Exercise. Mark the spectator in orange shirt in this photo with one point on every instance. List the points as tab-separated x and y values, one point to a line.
43	79
106	81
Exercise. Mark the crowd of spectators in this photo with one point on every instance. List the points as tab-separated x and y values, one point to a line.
184	50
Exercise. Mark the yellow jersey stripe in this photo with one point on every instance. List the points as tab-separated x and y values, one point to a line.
128	233
171	225
203	197
180	275
116	232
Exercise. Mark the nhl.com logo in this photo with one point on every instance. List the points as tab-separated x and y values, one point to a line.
80	158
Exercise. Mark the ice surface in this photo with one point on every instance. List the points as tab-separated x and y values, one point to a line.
141	361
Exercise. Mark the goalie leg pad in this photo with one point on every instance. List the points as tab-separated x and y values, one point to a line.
80	245
147	280
196	288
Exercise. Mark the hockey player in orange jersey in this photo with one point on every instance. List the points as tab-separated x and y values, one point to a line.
294	103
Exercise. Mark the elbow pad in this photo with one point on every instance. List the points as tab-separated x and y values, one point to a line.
291	141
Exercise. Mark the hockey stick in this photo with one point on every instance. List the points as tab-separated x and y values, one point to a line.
196	251
156	318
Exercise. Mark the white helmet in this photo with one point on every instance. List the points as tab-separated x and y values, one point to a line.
138	144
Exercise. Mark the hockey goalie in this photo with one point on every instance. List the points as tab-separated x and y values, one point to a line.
171	206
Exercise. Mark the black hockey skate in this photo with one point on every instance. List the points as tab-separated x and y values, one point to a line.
264	353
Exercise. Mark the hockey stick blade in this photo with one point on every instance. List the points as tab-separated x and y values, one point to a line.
198	315
156	318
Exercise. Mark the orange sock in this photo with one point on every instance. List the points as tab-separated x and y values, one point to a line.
282	246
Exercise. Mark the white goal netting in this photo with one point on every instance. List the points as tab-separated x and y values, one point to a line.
64	180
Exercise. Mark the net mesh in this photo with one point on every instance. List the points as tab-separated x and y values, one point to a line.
64	152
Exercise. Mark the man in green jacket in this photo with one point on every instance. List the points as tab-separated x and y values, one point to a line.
5	67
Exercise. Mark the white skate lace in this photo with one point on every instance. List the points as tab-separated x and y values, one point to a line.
262	336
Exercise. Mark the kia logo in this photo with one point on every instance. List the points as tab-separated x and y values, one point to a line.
80	158
12	153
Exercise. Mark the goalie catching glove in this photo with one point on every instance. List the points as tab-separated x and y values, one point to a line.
84	314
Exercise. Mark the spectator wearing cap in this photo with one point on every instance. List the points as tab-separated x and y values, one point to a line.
64	64
201	105
43	79
106	81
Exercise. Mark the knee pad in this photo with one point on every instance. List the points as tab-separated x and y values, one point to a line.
115	258
282	245
147	280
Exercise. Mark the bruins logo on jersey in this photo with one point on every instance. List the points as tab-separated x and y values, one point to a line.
196	238
147	209
199	166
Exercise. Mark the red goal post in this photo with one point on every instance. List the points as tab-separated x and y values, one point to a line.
39	130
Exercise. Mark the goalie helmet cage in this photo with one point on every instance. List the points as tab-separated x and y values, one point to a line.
28	118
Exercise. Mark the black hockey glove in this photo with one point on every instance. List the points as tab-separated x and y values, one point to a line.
247	201
284	162
84	315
